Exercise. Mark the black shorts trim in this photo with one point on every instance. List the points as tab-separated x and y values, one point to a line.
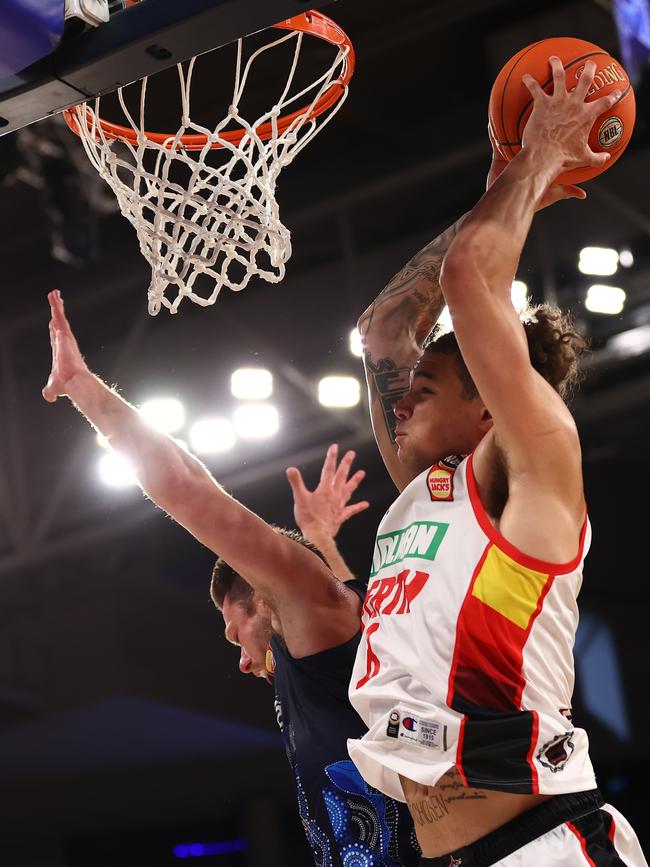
575	807
595	831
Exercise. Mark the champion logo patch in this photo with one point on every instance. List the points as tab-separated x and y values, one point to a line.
440	483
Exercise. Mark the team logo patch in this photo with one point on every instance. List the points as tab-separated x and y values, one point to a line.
270	661
556	753
392	729
440	482
455	862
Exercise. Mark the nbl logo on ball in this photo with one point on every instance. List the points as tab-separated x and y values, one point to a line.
610	132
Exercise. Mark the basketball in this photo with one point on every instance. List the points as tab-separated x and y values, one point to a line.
511	103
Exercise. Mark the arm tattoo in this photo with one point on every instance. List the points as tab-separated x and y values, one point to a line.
416	286
390	384
395	327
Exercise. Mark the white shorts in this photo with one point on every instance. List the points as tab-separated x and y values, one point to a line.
603	838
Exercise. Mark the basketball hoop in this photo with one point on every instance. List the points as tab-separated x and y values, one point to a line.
223	223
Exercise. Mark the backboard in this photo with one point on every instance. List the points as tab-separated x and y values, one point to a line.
65	68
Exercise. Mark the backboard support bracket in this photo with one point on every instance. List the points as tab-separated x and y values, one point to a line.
141	40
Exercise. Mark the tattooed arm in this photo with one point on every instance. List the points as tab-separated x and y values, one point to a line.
393	330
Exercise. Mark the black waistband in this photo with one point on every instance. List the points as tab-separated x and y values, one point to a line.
515	834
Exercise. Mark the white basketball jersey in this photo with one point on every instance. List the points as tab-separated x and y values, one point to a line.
466	655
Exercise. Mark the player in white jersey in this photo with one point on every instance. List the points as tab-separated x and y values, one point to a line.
465	673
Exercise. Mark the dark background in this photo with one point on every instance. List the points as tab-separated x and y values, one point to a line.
125	726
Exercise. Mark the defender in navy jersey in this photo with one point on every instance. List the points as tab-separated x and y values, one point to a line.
465	672
275	591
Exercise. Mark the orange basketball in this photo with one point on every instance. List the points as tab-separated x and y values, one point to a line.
511	102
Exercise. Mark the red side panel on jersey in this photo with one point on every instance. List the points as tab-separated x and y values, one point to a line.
486	679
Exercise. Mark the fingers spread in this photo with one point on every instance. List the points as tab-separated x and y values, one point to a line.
533	86
598	106
355	509
585	80
573	192
294	477
344	467
559	78
329	465
354	482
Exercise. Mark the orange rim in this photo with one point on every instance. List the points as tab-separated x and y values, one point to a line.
313	23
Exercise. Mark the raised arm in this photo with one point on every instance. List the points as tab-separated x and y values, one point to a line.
183	487
320	513
393	331
532	425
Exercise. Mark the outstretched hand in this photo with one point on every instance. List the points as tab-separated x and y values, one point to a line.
67	360
320	513
559	125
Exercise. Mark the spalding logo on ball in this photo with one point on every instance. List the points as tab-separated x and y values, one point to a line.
511	103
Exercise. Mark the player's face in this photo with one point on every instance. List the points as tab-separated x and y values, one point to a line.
249	627
434	419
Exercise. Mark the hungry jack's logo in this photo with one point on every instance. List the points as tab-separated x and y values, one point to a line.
440	483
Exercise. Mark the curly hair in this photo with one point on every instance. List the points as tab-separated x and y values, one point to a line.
554	346
226	582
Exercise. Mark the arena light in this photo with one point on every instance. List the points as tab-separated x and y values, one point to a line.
115	472
444	322
166	414
251	383
339	391
102	441
519	295
219	847
256	421
625	258
605	299
211	436
600	261
636	341
356	347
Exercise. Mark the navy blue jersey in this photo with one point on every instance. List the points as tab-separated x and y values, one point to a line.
346	821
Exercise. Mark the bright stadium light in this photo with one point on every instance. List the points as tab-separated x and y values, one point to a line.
115	472
444	322
166	414
356	347
256	421
625	258
102	441
605	299
519	295
211	436
339	391
601	261
251	383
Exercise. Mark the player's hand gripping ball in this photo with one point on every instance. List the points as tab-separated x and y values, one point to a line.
511	103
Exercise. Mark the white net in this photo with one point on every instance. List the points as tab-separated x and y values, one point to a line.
208	218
